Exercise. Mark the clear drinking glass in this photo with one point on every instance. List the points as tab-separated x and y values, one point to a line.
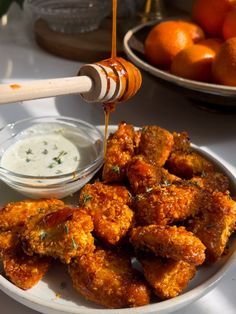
70	16
153	10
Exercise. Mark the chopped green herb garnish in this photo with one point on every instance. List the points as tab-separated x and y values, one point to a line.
116	169
75	158
144	129
167	183
29	151
43	235
66	229
55	147
58	172
45	142
28	160
58	158
52	165
45	151
73	243
86	198
203	174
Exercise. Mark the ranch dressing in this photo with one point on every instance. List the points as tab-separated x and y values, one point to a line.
42	155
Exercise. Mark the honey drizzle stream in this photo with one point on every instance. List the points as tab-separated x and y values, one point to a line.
109	107
114	29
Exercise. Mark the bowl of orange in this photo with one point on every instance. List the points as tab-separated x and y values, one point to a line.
194	54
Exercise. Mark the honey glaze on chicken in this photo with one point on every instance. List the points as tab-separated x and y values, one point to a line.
125	74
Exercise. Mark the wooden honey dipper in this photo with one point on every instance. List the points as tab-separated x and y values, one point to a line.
107	81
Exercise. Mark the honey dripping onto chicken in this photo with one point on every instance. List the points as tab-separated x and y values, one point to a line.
110	107
127	77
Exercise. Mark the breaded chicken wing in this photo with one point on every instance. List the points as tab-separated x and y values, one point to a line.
169	242
155	144
167	204
63	234
106	204
181	142
186	165
120	149
24	271
142	175
168	178
108	279
212	181
168	278
215	224
9	240
16	214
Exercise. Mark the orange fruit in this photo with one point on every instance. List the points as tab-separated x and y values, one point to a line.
195	31
224	66
210	14
164	42
194	63
229	25
212	43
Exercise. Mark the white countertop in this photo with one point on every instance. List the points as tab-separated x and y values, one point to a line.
21	59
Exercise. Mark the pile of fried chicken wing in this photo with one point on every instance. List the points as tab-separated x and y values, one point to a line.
156	213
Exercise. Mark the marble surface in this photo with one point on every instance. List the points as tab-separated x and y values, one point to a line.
21	59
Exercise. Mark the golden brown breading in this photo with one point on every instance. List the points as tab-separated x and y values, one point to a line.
17	213
167	204
155	144
142	175
120	149
215	224
63	234
106	204
108	279
25	271
101	193
8	242
169	242
181	142
168	278
186	165
212	181
168	178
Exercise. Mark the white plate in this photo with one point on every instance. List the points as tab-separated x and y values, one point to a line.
48	296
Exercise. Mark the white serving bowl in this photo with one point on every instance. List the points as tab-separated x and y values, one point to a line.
87	139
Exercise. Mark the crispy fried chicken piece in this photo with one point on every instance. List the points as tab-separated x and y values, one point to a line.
63	234
167	204
169	242
168	278
212	181
25	271
108	279
120	149
168	178
17	213
106	204
155	144
181	142
186	165
142	175
9	240
215	224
